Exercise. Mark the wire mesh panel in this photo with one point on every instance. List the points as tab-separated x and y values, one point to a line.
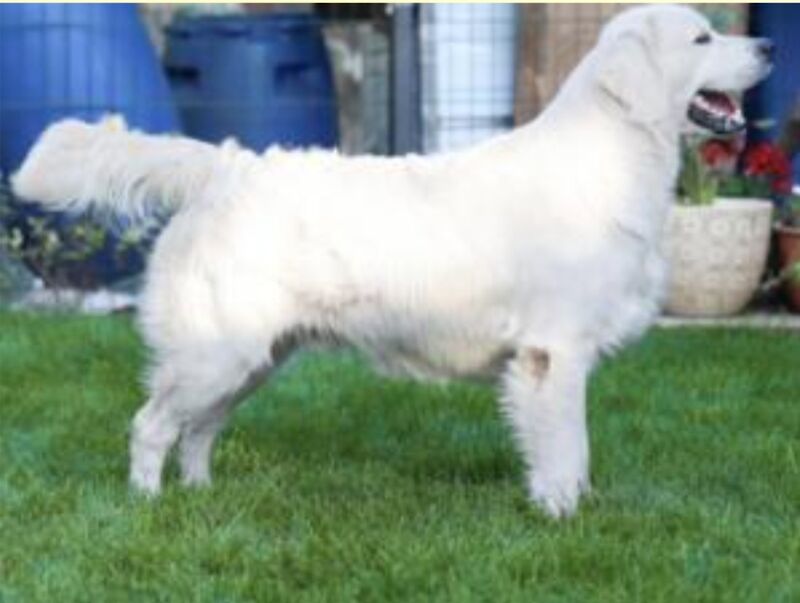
467	68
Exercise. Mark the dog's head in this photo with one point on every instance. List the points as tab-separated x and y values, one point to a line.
658	62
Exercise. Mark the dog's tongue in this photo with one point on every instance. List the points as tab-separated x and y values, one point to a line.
719	100
716	111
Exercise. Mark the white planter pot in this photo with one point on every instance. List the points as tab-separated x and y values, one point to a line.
717	255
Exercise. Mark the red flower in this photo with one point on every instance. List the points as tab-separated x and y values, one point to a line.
765	160
721	153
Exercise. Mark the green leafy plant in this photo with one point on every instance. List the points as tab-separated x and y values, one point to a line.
697	184
790	214
60	250
792	273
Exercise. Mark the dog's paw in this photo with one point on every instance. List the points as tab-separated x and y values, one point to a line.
557	495
197	481
145	485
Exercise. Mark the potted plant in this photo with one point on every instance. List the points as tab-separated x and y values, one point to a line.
787	231
719	230
787	235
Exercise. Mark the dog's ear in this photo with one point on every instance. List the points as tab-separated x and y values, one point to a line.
632	78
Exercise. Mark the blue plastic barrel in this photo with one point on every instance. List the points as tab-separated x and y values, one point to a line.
82	60
775	96
263	79
77	60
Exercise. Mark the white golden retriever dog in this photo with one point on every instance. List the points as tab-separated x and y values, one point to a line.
524	259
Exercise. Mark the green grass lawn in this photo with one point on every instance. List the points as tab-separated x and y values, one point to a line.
337	485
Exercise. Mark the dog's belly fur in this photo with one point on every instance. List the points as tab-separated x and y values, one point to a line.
437	359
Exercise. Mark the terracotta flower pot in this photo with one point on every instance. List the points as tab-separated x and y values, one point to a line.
717	254
789	253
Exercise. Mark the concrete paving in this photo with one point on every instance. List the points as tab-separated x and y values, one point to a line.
759	320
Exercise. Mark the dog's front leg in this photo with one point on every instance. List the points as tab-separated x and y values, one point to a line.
545	399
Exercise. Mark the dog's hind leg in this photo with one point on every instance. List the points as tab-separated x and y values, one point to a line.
155	429
238	372
201	428
192	394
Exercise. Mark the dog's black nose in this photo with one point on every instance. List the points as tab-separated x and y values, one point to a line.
766	48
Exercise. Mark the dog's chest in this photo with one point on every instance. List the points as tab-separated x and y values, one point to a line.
634	305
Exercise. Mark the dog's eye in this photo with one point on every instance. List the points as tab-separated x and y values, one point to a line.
703	38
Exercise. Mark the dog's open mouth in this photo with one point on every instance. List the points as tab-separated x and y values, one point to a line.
716	111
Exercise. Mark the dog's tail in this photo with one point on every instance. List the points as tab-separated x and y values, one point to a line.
75	165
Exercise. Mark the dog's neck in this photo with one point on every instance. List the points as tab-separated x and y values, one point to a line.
650	154
599	118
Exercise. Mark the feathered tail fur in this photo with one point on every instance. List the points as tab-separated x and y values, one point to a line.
75	165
